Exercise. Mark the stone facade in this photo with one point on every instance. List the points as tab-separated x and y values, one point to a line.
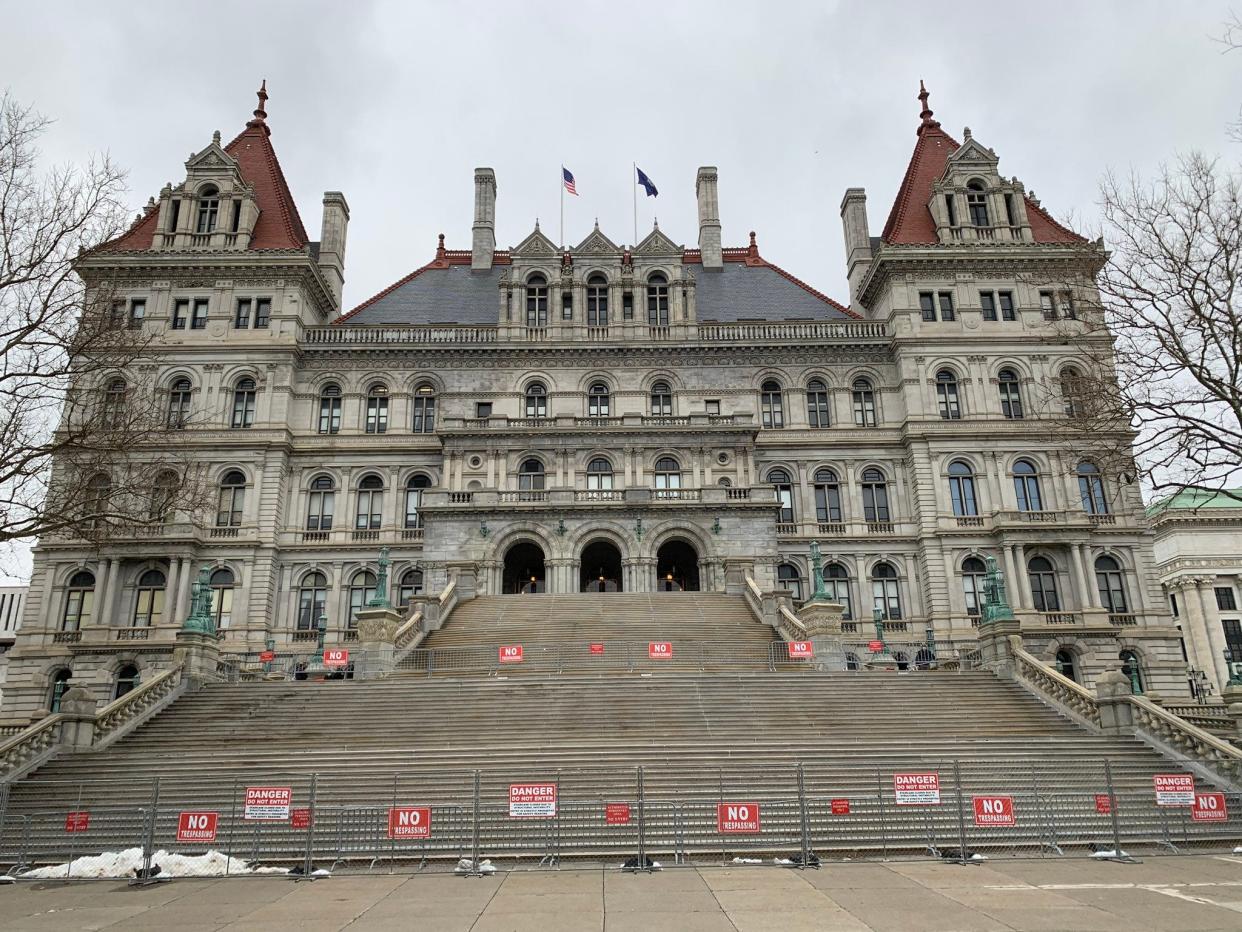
609	416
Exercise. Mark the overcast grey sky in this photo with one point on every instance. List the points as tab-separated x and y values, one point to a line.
396	103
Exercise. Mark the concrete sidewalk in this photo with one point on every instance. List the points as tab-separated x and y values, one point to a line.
1187	894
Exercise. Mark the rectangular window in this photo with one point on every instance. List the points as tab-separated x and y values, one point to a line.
567	306
1233	637
236	216
181	310
116	319
199	320
1046	305
174	214
946	306
482	409
242	320
927	304
262	312
1067	306
137	311
1006	306
627	306
951	209
1009	214
712	406
1225	600
987	301
1173	604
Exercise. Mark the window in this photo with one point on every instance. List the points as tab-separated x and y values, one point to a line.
864	403
235	224
232	499
330	409
79	601
262	312
116	317
531	477
1233	637
1026	487
1043	580
411	584
567	305
772	405
875	495
1072	392
536	400
788	577
369	514
199	319
837	584
1047	306
946	306
1010	393
973	571
163	495
482	409
60	685
1006	306
1010	217
361	591
987	302
946	395
977	204
181	311
114	405
377	409
927	304
537	301
712	407
222	582
817	403
597	301
425	410
174	215
241	319
1130	667
1066	305
149	599
312	597
667	474
827	496
627	306
1225	601
208	210
126	680
599	475
657	300
243	404
885	594
1111	584
414	499
962	489
661	400
137	312
1064	663
950	206
784	495
1091	490
598	401
95	502
179	396
321	504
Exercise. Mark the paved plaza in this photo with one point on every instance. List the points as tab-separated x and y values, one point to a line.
1187	894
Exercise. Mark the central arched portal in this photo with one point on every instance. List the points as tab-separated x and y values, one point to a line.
601	567
677	567
524	569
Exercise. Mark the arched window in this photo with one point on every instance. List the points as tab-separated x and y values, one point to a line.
377	409
1091	490
962	489
597	301
946	395
531	476
852	662
231	502
424	410
79	601
771	404
1010	393
536	400
977	204
788	577
414	499
1026	487
657	300
784	495
827	496
661	399
599	475
817	403
667	474
179	397
149	599
222	582
864	403
411	585
163	495
973	571
1072	389
95	502
1043	580
126	680
369	514
885	594
875	495
598	402
312	597
837	583
361	591
1064	663
208	210
1133	671
114	404
321	504
243	404
1112	585
330	409
536	301
60	685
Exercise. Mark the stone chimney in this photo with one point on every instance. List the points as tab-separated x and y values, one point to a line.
709	217
483	245
857	238
332	241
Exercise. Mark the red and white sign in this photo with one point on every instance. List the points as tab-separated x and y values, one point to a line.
409	822
335	657
1174	789
532	800
1103	803
801	650
267	656
1209	807
196	826
840	807
994	811
916	789
737	818
268	803
660	650
77	821
510	653
616	813
597	649
875	646
300	818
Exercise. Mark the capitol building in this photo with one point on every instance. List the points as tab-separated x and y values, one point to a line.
605	416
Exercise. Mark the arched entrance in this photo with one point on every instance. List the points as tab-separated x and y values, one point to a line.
601	567
524	570
677	567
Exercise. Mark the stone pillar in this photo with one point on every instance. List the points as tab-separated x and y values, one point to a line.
1233	706
1092	594
199	652
1080	581
997	640
1021	584
1007	553
170	592
183	594
1113	691
377	635
108	615
78	708
1215	633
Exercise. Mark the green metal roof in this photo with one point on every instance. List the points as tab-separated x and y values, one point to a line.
1196	499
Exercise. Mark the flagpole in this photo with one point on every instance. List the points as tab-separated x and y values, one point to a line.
634	192
562	181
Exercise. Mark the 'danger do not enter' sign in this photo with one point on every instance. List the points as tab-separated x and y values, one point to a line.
1174	789
916	789
268	803
532	800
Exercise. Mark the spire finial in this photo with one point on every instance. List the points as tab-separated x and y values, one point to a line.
261	113
440	248
926	114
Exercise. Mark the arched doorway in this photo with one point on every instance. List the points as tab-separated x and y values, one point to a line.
524	570
601	567
677	567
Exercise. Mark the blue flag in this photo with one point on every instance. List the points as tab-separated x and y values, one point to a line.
646	182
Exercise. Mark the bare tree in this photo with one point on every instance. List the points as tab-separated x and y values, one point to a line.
85	446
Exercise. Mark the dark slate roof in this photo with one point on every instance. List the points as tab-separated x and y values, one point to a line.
452	295
759	292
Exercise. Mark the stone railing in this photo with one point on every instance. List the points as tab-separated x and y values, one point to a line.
136	706
30	747
1180	737
1207	716
408	630
749	333
1047	683
357	335
790	625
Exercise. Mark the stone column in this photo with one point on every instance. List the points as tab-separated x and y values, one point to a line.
78	731
377	634
1007	552
1215	633
1080	582
108	616
1091	592
1021	584
183	595
1113	691
103	571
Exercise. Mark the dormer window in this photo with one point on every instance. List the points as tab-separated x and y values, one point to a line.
537	301
977	204
208	209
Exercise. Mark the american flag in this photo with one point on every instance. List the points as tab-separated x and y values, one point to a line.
568	177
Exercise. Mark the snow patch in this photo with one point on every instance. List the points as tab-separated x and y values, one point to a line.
1110	853
748	860
112	864
466	866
